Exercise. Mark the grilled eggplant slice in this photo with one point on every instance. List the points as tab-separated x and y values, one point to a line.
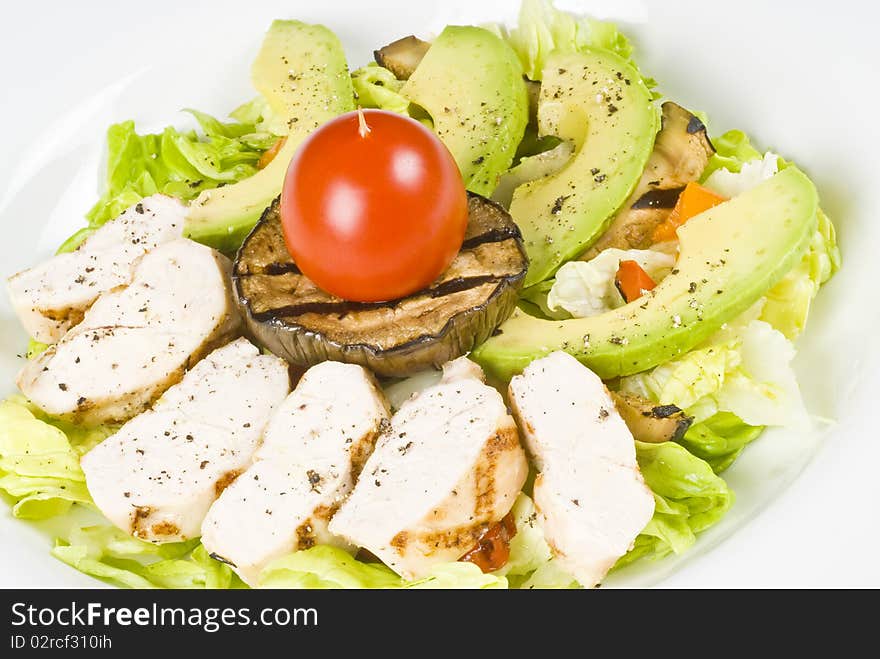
681	153
296	320
649	422
401	57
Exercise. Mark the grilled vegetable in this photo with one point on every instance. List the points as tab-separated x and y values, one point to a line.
401	57
649	422
680	155
296	320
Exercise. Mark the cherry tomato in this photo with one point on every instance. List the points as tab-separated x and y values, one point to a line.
373	207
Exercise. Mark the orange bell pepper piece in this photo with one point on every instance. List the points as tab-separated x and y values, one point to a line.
693	200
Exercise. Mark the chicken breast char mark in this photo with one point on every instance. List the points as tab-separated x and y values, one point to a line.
589	492
313	450
449	466
157	476
137	341
53	296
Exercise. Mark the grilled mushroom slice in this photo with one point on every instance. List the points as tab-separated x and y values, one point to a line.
296	320
649	422
401	57
681	153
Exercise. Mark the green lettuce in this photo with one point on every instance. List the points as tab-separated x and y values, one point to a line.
720	439
744	369
107	553
788	303
732	150
733	169
39	460
376	87
177	163
330	567
689	497
542	29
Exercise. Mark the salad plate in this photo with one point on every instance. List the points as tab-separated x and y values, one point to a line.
803	513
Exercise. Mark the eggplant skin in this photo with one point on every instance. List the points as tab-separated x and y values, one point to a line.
401	57
287	314
649	422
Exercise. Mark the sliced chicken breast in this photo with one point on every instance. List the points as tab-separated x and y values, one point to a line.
137	341
590	495
158	475
313	450
53	296
449	466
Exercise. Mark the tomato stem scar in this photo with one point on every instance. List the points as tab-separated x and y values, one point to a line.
363	128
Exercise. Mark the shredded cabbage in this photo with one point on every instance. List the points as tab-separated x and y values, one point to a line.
542	29
107	553
586	288
39	460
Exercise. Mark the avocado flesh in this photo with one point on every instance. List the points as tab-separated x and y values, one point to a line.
599	103
730	256
302	73
470	82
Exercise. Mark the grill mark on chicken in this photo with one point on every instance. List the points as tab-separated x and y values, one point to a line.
141	513
484	474
460	538
165	528
305	535
226	480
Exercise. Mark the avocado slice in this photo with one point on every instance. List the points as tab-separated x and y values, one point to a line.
470	82
598	102
302	73
730	256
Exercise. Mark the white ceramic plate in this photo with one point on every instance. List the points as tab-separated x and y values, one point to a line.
798	78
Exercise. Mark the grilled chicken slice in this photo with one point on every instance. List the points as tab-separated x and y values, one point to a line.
137	341
313	450
590	495
53	296
158	475
448	468
681	153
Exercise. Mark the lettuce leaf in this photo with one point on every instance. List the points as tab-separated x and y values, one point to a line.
173	162
107	553
720	439
542	29
586	288
744	369
689	497
376	87
39	460
732	150
330	567
738	166
788	303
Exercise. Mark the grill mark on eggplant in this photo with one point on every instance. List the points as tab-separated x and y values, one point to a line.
491	236
662	198
345	307
695	125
